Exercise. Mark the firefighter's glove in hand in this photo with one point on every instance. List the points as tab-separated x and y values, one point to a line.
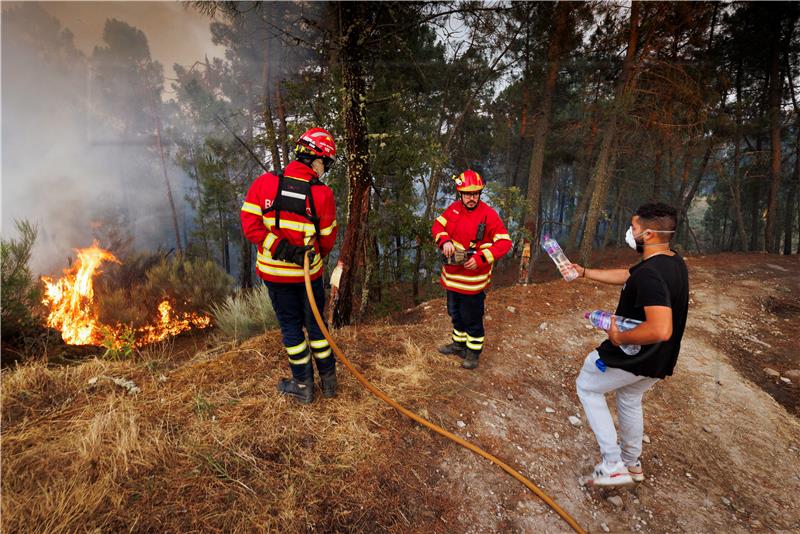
292	253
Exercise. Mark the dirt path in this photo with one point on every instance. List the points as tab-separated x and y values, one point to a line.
722	453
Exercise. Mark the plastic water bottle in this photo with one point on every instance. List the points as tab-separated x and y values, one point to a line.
557	255
602	320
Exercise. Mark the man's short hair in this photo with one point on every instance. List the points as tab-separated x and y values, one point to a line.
658	216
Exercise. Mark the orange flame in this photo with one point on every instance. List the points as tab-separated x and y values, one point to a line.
71	298
73	311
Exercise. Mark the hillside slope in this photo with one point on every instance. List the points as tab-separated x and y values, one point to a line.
208	446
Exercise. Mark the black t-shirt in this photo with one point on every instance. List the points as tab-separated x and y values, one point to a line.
660	280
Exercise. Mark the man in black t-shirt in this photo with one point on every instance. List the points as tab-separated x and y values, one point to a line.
656	292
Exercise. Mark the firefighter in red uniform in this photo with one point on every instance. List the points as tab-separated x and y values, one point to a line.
286	215
472	237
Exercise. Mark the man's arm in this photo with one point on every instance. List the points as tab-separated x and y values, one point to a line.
656	327
607	276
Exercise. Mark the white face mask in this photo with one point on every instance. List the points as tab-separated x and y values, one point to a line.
630	239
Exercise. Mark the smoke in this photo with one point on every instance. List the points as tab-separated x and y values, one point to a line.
61	169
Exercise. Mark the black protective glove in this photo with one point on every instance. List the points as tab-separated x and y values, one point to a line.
292	253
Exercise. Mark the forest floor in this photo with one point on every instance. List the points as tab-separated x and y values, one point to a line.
208	446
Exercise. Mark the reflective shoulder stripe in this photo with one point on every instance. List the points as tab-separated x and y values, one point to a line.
249	207
498	237
442	220
329	229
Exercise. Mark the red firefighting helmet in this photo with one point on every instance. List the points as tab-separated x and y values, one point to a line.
469	181
316	142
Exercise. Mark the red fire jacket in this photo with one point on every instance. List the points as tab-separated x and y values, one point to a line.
260	228
459	225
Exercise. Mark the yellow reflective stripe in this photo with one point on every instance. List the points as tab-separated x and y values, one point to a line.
459	339
485	245
328	230
442	220
474	346
464	278
269	241
488	255
286	272
459	332
322	355
476	339
267	259
458	245
319	343
297	349
305	359
498	237
308	228
440	234
249	207
456	285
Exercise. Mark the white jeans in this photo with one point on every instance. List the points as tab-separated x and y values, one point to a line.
592	385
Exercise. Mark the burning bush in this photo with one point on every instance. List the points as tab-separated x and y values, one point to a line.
136	302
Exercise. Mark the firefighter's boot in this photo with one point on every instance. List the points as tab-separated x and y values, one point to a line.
302	392
327	382
470	359
456	348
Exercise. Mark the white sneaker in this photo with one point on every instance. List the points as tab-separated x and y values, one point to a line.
636	472
605	476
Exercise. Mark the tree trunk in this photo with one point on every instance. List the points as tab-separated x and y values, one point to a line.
554	52
370	272
736	182
352	16
788	223
775	79
282	130
688	192
602	171
272	140
755	197
160	147
582	181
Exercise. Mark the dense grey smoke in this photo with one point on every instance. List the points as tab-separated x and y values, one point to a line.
65	164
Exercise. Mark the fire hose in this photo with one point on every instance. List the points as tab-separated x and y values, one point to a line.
422	421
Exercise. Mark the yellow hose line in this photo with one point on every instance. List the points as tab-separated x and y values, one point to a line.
424	422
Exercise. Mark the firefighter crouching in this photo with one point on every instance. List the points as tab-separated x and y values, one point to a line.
472	237
285	215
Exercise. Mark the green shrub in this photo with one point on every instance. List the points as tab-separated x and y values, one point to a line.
129	293
22	314
245	314
194	284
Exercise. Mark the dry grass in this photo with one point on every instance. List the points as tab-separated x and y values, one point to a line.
208	446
